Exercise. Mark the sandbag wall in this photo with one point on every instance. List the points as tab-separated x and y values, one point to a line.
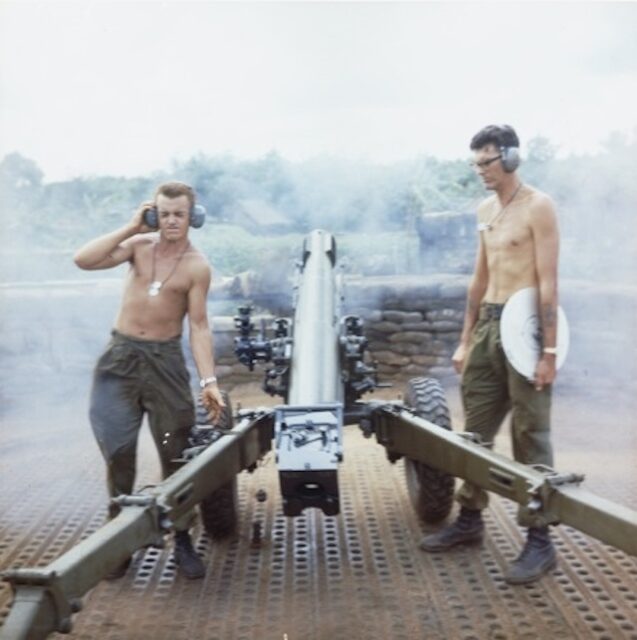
412	323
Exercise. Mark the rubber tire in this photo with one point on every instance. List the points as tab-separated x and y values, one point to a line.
218	510
430	490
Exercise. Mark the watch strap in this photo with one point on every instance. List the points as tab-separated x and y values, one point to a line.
204	382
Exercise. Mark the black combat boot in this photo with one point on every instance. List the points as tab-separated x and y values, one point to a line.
467	528
537	557
186	558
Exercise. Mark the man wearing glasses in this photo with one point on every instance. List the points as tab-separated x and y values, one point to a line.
518	248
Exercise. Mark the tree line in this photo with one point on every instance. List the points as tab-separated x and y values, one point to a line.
595	195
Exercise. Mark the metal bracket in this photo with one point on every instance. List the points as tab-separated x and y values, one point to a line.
471	436
559	479
134	501
157	512
47	581
541	492
251	414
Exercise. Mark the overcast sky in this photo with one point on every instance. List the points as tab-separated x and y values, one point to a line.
122	87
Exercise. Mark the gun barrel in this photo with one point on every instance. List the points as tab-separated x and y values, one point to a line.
315	373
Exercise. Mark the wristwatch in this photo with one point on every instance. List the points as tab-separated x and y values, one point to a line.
204	382
550	350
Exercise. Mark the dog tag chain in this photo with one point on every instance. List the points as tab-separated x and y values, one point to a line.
156	285
487	226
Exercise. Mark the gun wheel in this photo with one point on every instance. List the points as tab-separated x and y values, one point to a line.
218	510
430	490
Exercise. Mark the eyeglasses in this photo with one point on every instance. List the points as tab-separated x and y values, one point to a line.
483	164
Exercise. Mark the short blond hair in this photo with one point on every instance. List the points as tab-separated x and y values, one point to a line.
175	189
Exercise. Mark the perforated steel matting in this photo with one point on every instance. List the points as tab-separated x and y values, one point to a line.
357	575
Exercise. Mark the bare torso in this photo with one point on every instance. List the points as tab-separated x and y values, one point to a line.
158	317
509	244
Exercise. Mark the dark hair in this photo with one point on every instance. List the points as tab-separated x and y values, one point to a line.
176	189
498	135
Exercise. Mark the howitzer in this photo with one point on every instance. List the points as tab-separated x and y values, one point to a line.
316	362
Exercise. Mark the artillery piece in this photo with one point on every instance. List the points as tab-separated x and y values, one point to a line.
317	363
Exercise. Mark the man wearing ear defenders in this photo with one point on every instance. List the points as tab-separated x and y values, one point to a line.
518	248
143	370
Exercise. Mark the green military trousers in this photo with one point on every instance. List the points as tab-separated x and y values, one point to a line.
491	388
133	378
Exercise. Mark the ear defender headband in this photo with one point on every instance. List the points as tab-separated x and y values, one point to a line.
197	216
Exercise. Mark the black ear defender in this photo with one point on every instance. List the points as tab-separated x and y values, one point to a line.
509	153
197	217
510	157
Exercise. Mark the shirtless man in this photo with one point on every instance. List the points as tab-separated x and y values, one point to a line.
518	248
143	368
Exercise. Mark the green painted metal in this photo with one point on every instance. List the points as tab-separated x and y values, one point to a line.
44	599
554	497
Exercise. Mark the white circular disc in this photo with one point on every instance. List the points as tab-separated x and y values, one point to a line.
521	334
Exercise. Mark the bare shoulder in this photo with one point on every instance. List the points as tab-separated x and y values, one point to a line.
198	265
142	241
140	244
539	202
542	215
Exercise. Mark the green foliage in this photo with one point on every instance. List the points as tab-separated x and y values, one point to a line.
221	181
372	209
19	175
231	249
385	252
21	191
445	185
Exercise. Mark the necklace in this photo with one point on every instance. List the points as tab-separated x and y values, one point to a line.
487	226
156	285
